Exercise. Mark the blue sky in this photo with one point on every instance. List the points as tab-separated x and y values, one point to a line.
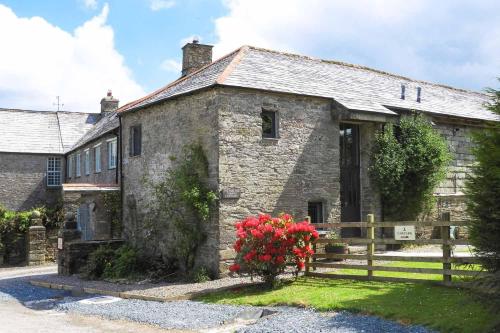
80	48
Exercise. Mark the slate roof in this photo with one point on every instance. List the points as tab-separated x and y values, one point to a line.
106	124
355	87
42	132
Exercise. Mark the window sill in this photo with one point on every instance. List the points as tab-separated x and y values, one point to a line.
97	171
111	168
269	141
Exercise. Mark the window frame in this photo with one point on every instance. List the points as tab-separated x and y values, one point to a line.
54	172
274	124
86	162
320	210
135	147
112	162
97	158
78	165
69	167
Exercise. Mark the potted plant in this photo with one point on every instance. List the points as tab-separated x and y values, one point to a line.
335	247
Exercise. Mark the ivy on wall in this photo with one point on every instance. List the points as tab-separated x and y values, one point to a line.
184	201
408	162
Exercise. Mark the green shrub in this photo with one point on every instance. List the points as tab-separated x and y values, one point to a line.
483	192
408	162
201	274
98	262
124	264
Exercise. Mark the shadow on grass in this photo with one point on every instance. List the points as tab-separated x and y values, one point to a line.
444	308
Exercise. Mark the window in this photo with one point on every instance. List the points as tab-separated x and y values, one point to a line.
135	140
78	165
97	158
69	172
315	211
112	154
86	162
53	171
269	124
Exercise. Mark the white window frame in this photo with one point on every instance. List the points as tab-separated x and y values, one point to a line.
54	171
112	153
70	166
97	158
78	165
86	162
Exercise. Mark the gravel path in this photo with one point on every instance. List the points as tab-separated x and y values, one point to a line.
191	315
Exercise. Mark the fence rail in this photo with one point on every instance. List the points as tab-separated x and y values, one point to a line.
446	258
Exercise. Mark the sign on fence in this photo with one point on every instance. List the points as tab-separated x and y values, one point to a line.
404	232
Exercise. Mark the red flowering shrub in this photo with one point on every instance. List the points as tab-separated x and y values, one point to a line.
265	245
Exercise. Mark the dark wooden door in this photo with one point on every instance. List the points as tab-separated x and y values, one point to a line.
349	178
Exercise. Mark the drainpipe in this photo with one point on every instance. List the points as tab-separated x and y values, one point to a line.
120	173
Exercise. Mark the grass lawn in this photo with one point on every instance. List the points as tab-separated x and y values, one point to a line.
435	277
441	308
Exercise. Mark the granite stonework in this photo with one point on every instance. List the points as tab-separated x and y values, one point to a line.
23	181
260	175
107	174
166	129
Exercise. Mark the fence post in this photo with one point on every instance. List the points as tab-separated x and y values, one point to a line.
308	259
445	236
370	248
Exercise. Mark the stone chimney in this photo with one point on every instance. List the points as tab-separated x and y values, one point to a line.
195	56
109	103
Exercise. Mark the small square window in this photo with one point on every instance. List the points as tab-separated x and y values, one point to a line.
315	211
135	140
269	124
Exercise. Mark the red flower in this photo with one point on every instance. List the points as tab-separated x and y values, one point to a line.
265	257
234	268
279	260
300	265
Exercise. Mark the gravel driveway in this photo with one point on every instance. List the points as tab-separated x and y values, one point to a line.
195	316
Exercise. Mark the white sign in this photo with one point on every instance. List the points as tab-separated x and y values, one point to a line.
404	232
60	243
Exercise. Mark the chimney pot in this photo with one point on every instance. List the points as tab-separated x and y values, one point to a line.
195	56
109	103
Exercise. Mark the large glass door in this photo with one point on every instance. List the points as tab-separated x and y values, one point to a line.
349	178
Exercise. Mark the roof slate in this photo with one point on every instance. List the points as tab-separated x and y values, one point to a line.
106	124
355	87
42	132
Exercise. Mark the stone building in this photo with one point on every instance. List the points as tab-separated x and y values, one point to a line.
32	148
282	133
47	158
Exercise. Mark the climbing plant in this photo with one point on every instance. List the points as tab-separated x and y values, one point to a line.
112	208
183	200
408	162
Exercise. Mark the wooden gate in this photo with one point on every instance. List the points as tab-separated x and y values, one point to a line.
371	241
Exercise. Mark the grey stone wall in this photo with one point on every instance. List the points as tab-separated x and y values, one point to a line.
460	145
275	175
23	181
107	175
166	129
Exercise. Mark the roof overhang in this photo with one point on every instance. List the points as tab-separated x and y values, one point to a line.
353	112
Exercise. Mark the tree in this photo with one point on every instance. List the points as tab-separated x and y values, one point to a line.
483	191
408	162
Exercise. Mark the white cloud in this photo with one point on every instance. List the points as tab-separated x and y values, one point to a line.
453	42
156	5
92	4
171	65
45	61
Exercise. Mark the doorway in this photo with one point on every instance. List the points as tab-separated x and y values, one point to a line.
350	198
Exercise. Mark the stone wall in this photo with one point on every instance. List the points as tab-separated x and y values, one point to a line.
275	175
107	175
460	145
167	128
22	181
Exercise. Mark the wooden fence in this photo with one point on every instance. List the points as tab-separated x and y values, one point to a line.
370	241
